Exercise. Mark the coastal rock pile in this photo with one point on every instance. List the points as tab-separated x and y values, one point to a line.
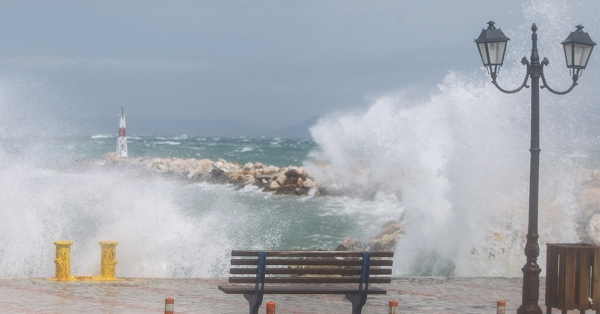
285	180
385	240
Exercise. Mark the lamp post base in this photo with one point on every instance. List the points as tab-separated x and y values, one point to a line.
529	309
531	279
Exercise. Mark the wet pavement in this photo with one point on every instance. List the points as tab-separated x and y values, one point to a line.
415	295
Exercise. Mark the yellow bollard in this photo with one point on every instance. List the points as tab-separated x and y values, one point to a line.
109	260
63	260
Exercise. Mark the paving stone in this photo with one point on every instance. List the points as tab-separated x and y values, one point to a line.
415	295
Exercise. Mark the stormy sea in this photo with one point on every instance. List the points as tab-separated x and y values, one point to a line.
451	166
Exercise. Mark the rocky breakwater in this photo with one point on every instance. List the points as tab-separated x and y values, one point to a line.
279	180
385	240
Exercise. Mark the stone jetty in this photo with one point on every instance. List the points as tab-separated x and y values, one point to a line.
279	180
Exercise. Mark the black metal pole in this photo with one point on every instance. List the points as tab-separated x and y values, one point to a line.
531	270
535	71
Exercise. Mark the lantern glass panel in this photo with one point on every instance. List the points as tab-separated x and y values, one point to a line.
483	53
497	52
577	55
582	55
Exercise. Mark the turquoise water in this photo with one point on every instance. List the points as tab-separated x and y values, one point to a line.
270	151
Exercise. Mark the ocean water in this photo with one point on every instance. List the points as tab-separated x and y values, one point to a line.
452	165
165	228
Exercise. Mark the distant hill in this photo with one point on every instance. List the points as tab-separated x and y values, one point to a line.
168	126
299	130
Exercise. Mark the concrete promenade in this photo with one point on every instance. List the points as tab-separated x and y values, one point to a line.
415	295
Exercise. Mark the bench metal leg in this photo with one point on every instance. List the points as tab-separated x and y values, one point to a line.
358	301
254	302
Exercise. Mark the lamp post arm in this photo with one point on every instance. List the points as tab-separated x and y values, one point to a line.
545	85
494	74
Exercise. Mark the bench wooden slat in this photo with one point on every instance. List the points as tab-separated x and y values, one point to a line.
305	280
298	289
309	262
309	271
311	253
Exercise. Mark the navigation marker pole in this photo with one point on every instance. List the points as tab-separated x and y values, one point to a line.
122	138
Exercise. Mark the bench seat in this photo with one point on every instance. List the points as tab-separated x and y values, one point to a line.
255	273
296	289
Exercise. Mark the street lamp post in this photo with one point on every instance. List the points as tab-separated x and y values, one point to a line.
578	48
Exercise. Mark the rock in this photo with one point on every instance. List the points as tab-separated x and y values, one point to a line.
236	177
590	198
308	183
288	180
263	177
351	244
594	229
595	182
304	175
281	177
291	181
293	173
248	180
332	190
216	176
270	170
300	191
586	177
286	189
387	238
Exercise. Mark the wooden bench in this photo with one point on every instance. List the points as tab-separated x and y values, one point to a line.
255	273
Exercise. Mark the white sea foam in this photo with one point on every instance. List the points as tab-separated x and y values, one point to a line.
98	136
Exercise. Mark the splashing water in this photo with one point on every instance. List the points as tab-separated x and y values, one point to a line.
458	161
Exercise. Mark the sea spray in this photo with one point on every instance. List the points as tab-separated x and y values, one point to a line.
43	206
458	163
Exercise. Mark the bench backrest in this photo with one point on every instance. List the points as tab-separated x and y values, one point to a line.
290	267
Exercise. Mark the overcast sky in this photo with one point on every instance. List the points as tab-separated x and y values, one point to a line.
266	62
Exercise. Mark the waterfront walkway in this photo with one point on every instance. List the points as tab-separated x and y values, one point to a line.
415	295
